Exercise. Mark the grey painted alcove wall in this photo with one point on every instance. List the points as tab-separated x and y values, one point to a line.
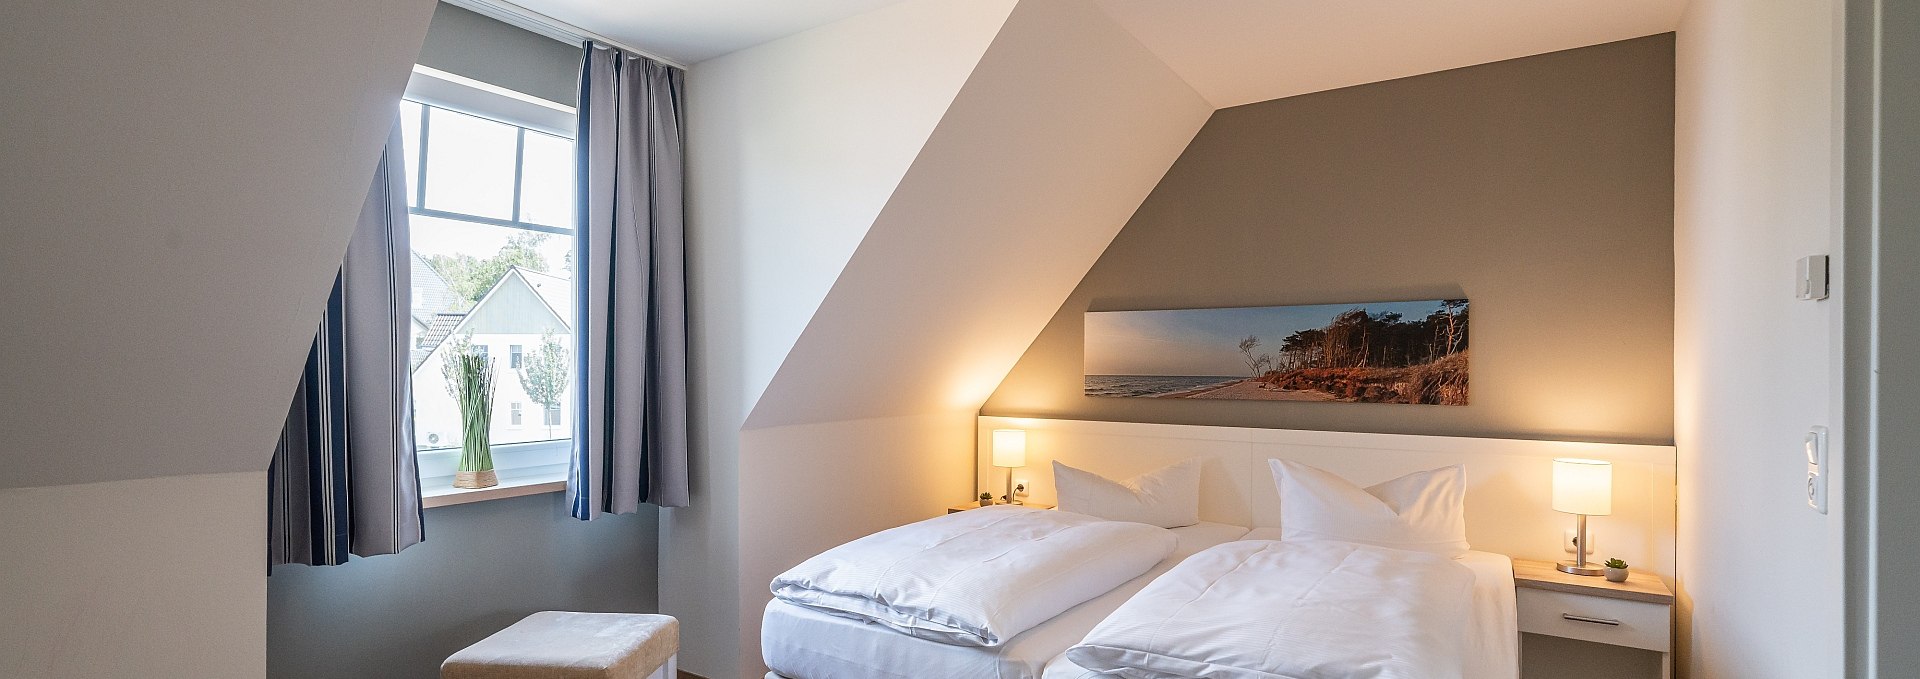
1541	188
483	565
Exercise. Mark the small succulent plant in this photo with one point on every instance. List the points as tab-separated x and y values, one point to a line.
1616	563
986	496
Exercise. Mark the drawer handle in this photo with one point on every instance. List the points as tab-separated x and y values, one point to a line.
1596	621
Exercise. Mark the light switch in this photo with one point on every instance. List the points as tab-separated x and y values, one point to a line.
1812	283
1815	447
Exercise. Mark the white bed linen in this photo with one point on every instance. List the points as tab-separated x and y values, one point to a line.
1493	627
1313	609
799	643
975	578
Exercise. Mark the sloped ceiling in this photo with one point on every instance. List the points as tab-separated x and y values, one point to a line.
180	181
1241	51
1061	131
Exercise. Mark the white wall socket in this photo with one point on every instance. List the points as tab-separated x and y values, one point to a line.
1815	448
1567	538
1020	488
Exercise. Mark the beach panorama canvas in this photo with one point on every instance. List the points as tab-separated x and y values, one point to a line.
1387	352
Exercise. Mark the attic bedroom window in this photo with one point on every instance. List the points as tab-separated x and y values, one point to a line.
490	192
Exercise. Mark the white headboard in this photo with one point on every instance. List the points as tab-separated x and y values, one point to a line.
1508	480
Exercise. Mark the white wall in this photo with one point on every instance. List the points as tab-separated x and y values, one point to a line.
1756	154
805	488
1062	129
145	578
797	145
820	254
794	147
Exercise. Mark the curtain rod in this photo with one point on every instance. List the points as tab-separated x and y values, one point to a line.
521	17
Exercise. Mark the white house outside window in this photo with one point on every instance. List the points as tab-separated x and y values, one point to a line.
491	200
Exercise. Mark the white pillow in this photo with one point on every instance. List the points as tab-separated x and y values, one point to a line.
1422	511
1168	497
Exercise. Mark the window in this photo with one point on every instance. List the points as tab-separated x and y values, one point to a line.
490	191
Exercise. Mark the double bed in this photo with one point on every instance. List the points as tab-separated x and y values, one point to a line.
803	643
1336	580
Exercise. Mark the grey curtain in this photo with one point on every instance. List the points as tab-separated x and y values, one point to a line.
630	440
343	479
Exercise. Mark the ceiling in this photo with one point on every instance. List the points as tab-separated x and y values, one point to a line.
1231	51
1241	51
689	31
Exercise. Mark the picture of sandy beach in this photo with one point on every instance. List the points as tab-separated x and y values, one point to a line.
1387	352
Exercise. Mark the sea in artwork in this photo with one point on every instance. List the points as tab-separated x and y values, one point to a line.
1153	385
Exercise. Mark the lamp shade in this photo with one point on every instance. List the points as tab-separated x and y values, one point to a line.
1009	447
1582	486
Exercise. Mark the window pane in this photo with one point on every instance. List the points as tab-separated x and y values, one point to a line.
546	182
478	285
410	136
470	164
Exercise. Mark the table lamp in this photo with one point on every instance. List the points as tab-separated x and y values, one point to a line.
1009	451
1583	488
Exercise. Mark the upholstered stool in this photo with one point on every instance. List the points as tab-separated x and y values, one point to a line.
561	645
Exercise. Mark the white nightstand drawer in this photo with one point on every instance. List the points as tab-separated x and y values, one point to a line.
1616	622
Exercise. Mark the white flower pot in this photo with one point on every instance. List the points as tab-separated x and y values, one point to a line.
1616	575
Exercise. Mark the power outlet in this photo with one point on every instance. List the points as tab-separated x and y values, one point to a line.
1019	488
1570	536
1815	447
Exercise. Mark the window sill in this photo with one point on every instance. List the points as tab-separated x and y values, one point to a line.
438	491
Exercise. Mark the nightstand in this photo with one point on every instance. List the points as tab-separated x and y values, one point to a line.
1637	613
956	509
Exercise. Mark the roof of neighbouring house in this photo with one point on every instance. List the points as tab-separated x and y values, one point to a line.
431	292
438	328
557	292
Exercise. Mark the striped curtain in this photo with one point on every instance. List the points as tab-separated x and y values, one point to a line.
630	440
343	479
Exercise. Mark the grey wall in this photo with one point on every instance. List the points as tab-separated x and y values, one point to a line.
477	47
1541	188
1882	271
484	565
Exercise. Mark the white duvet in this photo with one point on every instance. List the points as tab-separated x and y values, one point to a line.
975	578
1260	609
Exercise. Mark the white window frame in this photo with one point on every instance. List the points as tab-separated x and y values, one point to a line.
523	468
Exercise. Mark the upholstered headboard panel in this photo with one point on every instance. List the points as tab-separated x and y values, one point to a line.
1509	480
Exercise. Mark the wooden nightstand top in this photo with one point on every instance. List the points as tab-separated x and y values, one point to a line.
1638	587
976	505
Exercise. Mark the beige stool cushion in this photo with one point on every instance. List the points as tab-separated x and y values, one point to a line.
561	645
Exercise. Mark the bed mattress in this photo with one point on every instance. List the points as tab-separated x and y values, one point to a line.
801	643
1494	629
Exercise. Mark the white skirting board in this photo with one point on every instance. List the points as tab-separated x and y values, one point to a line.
1509	480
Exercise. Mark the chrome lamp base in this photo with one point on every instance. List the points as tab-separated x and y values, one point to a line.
1576	569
